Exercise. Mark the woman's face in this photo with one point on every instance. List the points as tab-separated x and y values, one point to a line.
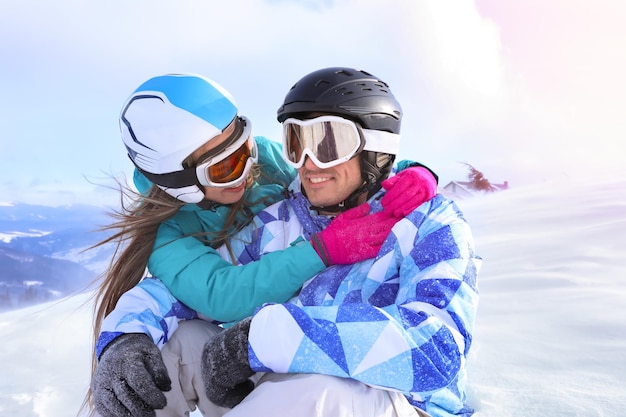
218	194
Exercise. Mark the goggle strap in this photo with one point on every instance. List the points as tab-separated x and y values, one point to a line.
380	141
176	179
240	125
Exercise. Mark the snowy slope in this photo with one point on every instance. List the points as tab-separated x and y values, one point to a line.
44	358
550	336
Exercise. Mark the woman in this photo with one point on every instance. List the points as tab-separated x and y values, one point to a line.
201	177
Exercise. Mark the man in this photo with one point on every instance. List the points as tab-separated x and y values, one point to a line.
384	337
401	322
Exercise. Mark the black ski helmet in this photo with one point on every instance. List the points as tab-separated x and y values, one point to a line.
355	95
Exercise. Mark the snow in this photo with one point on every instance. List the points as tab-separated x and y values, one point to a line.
550	337
44	357
8	237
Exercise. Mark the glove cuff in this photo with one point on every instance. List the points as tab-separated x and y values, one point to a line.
321	249
125	337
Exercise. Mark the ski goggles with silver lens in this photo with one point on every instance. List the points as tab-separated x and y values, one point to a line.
226	165
327	140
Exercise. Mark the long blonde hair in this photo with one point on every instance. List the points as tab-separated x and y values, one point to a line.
135	228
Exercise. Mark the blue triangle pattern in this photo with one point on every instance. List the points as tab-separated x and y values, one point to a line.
322	333
353	313
445	244
252	250
390	372
357	351
438	292
323	363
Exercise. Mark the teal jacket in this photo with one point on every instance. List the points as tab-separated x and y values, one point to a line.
198	276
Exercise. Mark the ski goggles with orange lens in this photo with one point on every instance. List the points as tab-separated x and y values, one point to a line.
327	140
231	163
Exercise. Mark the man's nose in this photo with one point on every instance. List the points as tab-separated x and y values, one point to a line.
309	164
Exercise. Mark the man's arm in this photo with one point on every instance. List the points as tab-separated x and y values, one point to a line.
414	344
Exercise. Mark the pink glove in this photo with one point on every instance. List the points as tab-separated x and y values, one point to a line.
407	190
353	236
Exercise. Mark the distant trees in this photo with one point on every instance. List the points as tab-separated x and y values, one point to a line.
477	180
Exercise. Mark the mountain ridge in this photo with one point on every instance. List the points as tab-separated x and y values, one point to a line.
43	253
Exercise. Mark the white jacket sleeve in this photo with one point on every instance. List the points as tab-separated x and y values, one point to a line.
158	317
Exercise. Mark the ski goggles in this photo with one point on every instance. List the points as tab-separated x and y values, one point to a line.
327	140
226	165
331	140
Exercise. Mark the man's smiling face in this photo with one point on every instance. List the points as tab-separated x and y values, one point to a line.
330	186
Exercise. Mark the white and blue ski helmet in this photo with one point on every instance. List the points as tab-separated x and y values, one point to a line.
165	120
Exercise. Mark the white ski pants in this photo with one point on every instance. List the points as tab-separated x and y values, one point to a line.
306	395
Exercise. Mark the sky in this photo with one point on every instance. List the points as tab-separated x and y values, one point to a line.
550	334
525	91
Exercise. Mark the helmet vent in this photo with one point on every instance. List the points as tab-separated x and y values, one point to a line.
344	72
343	91
364	86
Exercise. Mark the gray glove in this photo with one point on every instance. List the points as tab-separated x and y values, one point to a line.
225	367
130	378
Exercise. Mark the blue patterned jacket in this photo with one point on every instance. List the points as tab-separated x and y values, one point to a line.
402	321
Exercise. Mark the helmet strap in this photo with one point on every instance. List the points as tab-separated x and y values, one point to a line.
208	205
353	200
178	179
